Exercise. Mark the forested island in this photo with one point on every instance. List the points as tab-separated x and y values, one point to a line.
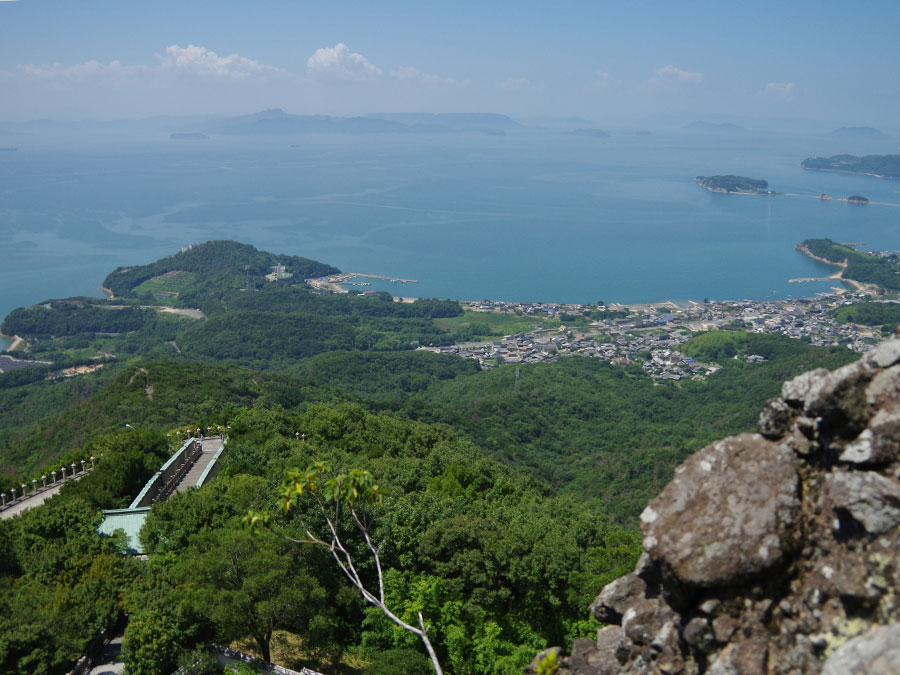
511	496
879	166
734	184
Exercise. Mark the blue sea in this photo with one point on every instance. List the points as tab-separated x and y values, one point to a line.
534	215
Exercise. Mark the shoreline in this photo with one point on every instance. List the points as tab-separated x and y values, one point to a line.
858	173
16	341
857	285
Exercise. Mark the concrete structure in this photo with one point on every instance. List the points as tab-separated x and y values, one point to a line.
16	501
193	465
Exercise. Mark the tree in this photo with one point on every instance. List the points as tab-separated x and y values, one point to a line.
247	586
330	494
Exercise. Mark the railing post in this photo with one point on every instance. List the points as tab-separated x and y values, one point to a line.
33	485
92	461
63	469
3	494
82	465
73	469
54	476
44	480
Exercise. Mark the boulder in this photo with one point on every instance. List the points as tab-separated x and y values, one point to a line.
728	515
875	652
870	499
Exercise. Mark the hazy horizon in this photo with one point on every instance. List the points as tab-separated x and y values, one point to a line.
599	61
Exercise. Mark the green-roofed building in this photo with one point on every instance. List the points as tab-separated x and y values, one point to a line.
128	520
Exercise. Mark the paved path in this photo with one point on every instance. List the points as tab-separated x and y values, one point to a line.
109	661
33	501
210	447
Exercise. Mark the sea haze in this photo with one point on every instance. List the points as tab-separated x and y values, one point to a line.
532	215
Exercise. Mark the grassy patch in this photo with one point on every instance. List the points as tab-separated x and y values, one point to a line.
167	287
497	323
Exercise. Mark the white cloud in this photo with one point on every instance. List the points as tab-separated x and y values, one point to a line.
411	74
515	83
192	60
670	74
782	91
602	79
201	61
89	70
339	63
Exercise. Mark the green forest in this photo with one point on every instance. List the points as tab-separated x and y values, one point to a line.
507	498
732	183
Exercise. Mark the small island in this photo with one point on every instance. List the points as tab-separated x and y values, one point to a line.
734	185
878	166
857	199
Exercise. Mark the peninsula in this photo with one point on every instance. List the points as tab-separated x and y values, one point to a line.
734	185
878	166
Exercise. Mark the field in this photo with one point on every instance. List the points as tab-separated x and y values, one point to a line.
165	288
493	324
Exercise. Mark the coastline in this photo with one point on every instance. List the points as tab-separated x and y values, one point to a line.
16	342
857	173
857	285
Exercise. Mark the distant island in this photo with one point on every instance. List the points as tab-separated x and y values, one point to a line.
715	127
859	133
879	166
857	199
734	184
592	133
189	136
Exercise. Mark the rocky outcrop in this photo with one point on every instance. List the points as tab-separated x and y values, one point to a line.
771	553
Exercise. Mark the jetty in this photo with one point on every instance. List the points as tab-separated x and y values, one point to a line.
334	282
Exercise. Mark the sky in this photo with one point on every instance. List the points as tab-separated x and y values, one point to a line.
101	59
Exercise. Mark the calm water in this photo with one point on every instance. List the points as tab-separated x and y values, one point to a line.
531	216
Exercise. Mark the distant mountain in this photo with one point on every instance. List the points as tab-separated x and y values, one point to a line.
869	133
593	133
277	121
449	121
716	127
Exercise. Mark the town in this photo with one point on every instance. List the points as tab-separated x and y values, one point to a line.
650	334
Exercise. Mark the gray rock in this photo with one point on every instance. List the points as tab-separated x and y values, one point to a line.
776	419
728	513
723	628
874	653
742	658
698	633
885	386
796	391
608	638
587	659
880	443
839	399
884	355
870	499
644	619
617	597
